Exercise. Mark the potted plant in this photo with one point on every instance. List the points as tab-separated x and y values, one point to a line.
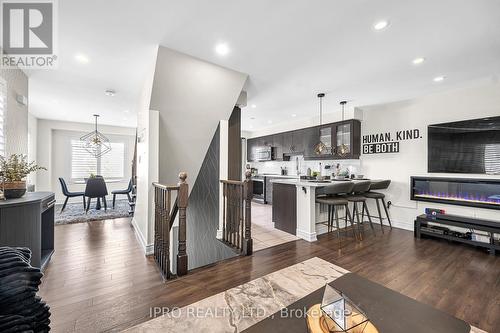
13	172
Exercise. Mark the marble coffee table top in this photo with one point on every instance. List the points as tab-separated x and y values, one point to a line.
238	308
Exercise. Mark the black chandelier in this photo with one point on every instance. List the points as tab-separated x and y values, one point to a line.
95	142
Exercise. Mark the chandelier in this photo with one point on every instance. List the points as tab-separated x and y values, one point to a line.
95	142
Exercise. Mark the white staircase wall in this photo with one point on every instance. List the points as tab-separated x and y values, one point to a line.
192	96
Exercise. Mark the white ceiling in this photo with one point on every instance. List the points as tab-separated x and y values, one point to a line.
290	49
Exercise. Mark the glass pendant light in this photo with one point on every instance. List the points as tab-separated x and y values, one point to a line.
342	148
320	147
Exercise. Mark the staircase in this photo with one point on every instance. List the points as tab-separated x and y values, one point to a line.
237	215
170	201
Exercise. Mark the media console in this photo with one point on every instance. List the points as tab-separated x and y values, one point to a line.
437	227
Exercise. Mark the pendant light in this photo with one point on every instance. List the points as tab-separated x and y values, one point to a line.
320	147
342	148
95	142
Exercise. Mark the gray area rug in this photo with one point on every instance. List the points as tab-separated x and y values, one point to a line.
74	212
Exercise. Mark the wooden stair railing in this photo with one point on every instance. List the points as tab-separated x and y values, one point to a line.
237	214
165	213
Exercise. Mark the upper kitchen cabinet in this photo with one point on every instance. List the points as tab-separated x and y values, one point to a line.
310	138
279	144
251	147
347	139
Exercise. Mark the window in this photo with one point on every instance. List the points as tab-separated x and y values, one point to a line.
3	106
111	165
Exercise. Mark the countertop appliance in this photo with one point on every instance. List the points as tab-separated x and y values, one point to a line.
264	154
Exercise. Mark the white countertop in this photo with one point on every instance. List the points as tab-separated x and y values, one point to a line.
278	176
306	183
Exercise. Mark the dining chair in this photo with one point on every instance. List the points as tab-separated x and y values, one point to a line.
96	188
126	191
69	194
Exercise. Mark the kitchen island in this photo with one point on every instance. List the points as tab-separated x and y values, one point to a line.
307	218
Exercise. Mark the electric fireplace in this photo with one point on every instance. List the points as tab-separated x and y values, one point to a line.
484	193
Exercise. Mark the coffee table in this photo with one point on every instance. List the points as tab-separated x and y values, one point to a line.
389	311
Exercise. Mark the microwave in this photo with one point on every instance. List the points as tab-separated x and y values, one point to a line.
264	154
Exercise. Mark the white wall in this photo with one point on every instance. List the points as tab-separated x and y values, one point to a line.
479	100
32	144
147	161
192	96
16	117
48	157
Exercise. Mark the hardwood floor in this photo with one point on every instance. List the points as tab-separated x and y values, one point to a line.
99	279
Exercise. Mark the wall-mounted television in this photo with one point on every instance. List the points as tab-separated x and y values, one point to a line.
469	146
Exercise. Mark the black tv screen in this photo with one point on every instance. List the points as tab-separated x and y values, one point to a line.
470	146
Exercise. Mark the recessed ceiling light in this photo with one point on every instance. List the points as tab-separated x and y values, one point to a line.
110	92
439	78
269	121
222	49
381	25
251	127
82	58
418	61
294	115
126	111
253	106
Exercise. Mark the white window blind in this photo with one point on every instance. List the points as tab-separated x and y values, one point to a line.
111	165
3	106
82	163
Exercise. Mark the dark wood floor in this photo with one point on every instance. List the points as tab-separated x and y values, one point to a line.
99	279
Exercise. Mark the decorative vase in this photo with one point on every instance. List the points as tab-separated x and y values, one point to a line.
14	189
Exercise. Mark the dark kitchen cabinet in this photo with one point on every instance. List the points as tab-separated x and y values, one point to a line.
311	139
303	141
251	147
287	143
297	142
278	144
347	136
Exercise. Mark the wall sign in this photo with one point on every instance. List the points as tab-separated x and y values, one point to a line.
388	142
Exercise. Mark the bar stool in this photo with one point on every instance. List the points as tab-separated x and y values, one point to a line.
357	196
334	198
380	185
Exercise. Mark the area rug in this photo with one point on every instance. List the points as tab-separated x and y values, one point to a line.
74	212
237	309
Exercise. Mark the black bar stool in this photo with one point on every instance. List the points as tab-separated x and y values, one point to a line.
334	198
380	185
357	196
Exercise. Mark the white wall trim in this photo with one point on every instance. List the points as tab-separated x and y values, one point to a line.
223	168
308	236
148	249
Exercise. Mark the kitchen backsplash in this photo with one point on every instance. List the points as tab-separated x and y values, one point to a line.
274	167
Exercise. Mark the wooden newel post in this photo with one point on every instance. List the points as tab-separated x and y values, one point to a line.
248	193
182	196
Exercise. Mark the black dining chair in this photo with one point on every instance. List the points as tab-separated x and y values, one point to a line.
96	188
357	197
126	191
371	194
69	194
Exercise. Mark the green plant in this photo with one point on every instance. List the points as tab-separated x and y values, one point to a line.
16	168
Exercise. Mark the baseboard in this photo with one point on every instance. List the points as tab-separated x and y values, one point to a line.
148	249
308	236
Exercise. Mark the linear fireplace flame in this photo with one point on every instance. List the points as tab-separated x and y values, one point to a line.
483	193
